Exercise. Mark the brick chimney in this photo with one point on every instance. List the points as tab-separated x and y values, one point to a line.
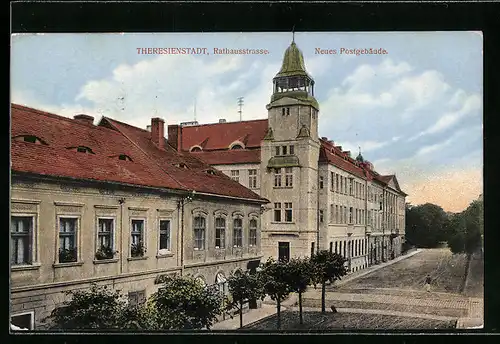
158	132
175	136
82	118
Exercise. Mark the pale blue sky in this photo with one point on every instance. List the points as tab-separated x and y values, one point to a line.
416	111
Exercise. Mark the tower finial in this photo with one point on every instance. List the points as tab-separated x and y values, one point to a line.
293	33
359	149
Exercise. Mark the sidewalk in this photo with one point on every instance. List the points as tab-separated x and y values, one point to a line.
249	317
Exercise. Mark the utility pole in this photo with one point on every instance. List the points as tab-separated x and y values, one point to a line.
240	105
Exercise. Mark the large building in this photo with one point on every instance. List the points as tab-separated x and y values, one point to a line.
321	198
114	204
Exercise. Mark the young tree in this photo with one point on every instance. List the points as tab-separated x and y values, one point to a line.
243	286
298	277
96	308
184	303
425	224
327	266
273	278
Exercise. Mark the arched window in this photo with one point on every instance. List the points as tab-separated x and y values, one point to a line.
82	149
237	232
30	139
220	232
221	282
199	229
236	147
124	157
252	233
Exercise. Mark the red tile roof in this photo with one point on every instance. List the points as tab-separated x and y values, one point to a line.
195	176
150	166
228	157
338	159
221	135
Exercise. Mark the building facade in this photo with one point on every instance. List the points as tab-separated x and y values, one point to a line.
115	205
320	197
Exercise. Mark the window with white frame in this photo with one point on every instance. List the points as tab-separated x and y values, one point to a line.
136	298
277	212
277	177
21	236
336	182
289	177
137	248
199	233
284	150
252	179
288	212
165	239
252	232
68	252
220	232
235	175
337	214
105	229
277	148
237	232
351	189
321	182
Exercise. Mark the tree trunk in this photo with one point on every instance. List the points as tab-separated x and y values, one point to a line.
300	309
241	313
323	294
278	312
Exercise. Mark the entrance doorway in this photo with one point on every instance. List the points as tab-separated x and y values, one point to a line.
284	251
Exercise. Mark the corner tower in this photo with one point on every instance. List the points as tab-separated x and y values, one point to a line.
289	168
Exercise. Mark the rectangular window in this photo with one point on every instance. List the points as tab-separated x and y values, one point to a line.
199	233
321	216
331	247
288	212
336	182
235	175
165	236
350	214
351	189
345	249
252	233
337	214
277	212
321	182
252	179
277	149
292	150
345	214
67	240
341	190
237	232
220	232
289	177
21	234
277	177
136	298
284	148
105	245
312	249
137	239
356	215
336	247
332	181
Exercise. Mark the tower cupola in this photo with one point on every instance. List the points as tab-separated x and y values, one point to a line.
292	80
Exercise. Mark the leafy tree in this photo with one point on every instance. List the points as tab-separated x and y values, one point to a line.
243	286
425	224
298	277
327	266
464	229
184	303
273	275
96	308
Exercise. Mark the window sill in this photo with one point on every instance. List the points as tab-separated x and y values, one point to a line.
105	261
34	266
282	187
220	248
137	258
164	255
67	265
282	223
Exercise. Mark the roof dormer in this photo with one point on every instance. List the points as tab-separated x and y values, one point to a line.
82	149
29	138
